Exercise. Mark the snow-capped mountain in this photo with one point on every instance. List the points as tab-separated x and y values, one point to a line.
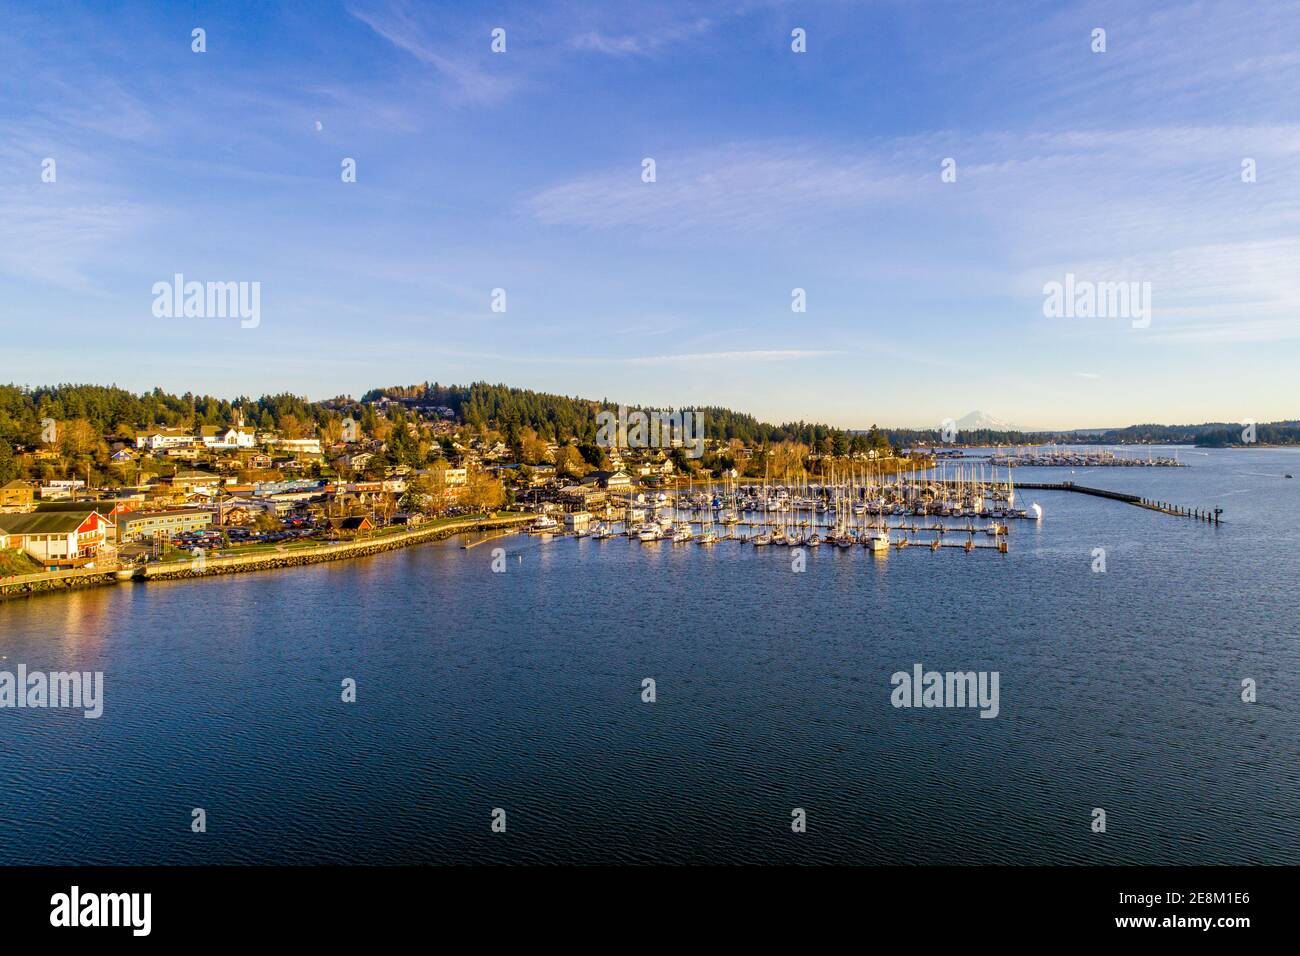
979	419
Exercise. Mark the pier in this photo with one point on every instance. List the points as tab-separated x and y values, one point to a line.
1209	516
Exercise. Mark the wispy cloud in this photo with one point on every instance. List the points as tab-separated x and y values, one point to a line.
645	42
1161	205
59	241
679	359
751	355
472	77
736	188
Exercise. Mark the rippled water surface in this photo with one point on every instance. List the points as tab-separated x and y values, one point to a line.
522	691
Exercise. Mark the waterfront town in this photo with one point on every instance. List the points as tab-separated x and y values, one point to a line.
88	493
97	479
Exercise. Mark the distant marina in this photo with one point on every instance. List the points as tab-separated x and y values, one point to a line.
1054	457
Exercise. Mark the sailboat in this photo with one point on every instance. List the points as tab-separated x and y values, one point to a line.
707	535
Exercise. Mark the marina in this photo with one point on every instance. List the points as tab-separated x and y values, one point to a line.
1057	457
860	510
877	515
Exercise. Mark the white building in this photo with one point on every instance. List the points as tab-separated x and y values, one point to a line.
301	446
577	521
161	438
237	436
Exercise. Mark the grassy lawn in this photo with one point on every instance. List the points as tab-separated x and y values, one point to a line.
14	562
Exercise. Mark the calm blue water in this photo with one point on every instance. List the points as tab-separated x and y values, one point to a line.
522	691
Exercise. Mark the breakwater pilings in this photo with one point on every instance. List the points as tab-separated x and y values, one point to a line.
1209	516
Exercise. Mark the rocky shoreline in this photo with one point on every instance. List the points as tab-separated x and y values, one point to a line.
55	582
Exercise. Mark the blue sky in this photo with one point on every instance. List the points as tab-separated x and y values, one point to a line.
775	170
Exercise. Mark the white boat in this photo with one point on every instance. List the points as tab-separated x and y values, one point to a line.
682	533
878	541
761	539
649	532
546	523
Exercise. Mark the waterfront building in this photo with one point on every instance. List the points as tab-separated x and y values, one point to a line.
577	521
142	525
584	497
57	539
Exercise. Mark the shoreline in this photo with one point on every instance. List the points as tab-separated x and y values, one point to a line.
58	582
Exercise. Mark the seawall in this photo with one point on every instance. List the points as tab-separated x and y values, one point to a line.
56	581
